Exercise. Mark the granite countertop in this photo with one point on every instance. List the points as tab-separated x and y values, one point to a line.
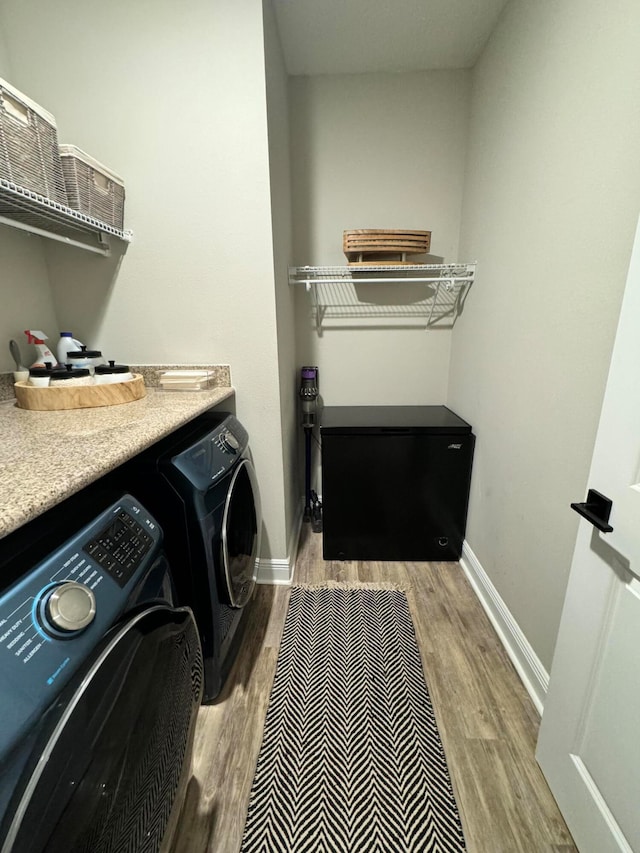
48	456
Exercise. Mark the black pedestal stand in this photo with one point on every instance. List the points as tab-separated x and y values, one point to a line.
312	505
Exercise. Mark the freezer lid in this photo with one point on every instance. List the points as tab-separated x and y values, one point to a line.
359	420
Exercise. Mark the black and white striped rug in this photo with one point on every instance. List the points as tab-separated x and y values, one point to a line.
351	759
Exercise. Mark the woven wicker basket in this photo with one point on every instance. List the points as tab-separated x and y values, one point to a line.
29	154
91	187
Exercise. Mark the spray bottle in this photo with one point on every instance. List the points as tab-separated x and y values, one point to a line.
45	356
67	344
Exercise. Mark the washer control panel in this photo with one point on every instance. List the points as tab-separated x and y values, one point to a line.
53	617
212	456
121	546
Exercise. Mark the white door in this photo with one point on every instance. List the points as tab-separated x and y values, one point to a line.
589	744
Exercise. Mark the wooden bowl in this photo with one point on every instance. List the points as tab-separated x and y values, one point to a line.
79	396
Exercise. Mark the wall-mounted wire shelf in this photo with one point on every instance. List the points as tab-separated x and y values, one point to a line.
23	209
432	294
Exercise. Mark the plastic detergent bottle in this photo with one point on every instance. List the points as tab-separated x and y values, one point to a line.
45	356
67	344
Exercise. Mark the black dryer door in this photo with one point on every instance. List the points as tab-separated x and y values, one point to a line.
110	764
241	524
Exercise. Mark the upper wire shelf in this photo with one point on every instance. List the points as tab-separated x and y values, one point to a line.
24	209
309	275
432	294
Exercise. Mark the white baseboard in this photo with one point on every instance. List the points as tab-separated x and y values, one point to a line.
533	675
280	572
276	572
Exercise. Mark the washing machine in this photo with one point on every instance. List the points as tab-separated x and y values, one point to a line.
200	484
101	681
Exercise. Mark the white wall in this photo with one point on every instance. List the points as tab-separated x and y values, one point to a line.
377	151
551	201
4	61
280	185
26	296
174	100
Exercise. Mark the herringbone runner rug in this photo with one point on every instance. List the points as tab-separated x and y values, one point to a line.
351	758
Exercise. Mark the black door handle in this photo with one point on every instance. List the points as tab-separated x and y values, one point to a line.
596	510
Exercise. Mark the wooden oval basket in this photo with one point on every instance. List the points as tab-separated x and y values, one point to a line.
80	396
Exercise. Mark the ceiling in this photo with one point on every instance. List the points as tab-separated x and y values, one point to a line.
359	36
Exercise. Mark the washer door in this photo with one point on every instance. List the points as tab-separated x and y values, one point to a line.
241	524
113	756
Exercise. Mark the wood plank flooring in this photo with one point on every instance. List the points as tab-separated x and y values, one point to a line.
487	722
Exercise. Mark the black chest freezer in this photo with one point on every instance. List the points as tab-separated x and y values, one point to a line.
395	482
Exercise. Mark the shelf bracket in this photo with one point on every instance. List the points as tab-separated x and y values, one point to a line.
50	235
105	243
317	310
433	304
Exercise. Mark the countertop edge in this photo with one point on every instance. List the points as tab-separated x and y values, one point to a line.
44	467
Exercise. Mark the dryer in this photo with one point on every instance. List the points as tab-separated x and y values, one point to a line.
201	485
101	681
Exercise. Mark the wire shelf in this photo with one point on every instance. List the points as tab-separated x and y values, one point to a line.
24	209
380	273
432	294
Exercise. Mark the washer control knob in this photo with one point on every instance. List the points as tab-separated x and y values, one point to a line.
70	607
229	442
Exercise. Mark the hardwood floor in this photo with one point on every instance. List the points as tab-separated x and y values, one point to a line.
487	722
